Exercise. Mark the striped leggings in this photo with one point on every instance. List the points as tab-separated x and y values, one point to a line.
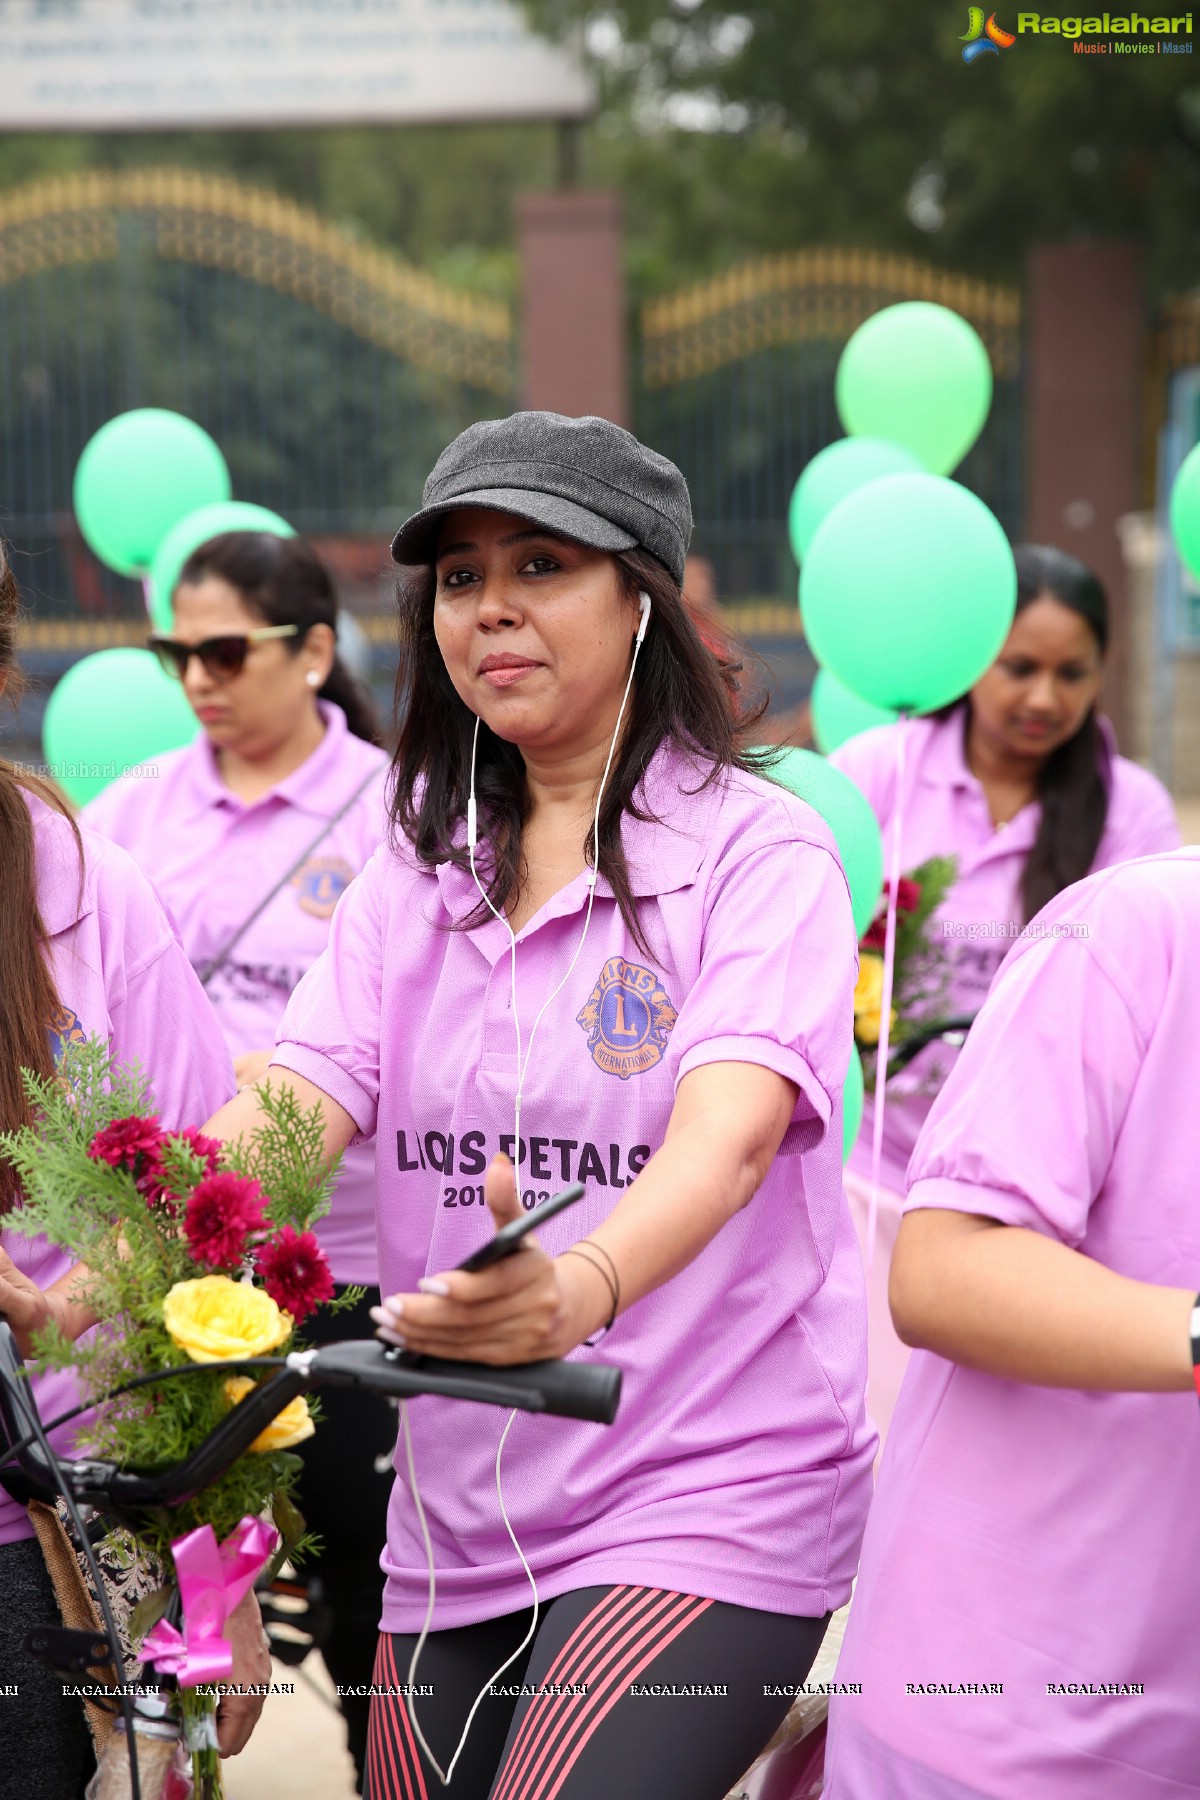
624	1691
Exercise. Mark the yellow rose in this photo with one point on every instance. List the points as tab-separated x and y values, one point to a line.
290	1426
214	1318
868	999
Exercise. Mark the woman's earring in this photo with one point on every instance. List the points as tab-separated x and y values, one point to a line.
313	679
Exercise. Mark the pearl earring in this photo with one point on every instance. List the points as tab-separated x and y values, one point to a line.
313	679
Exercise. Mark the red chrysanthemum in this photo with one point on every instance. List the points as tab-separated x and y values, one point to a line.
151	1185
152	1181
199	1145
908	898
295	1272
127	1143
908	894
221	1213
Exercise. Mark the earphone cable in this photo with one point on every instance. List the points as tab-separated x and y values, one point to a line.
410	1698
524	1054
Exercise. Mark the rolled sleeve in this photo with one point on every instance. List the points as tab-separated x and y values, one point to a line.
330	1031
776	976
766	1054
333	1080
1025	1128
1001	1204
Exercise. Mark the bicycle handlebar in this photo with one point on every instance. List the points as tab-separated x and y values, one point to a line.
589	1391
953	1030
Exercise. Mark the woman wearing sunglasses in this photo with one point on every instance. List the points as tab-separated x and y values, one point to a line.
251	834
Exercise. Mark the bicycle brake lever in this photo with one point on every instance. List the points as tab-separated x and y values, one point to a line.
68	1652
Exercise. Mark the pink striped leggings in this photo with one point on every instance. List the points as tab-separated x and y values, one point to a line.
625	1691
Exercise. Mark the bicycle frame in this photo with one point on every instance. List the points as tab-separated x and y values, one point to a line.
588	1391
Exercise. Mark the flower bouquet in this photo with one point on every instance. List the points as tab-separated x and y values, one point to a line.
201	1257
919	979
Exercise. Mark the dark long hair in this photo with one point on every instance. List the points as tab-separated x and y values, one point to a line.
283	581
29	997
683	692
1070	785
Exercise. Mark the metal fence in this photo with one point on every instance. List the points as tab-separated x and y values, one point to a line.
329	371
736	385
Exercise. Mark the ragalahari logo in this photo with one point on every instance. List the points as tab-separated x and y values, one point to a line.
982	39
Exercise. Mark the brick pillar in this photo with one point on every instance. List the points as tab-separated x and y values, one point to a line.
1084	339
574	357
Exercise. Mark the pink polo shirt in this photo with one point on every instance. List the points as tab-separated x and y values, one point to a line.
739	1463
946	814
1045	1539
121	974
214	857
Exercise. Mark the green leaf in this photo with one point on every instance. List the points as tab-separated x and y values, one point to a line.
148	1611
289	1520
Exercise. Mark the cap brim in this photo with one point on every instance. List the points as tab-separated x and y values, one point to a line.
416	541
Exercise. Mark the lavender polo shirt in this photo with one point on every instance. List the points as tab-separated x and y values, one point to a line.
1045	1539
946	814
121	974
214	857
739	1466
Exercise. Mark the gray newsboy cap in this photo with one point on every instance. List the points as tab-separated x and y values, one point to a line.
585	478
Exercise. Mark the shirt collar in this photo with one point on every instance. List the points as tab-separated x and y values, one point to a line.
306	788
944	759
63	876
944	764
663	853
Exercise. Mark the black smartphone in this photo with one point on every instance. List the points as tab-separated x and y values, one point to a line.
508	1239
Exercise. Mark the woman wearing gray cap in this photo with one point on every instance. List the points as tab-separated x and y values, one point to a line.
600	949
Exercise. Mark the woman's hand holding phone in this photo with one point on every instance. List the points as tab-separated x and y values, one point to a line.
521	1308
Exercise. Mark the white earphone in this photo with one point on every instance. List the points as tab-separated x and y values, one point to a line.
644	608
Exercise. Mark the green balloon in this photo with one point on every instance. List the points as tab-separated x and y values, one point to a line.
837	714
847	812
835	472
908	591
1185	511
852	1102
196	529
139	474
917	375
110	712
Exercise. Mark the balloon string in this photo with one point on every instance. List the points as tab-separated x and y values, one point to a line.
885	1005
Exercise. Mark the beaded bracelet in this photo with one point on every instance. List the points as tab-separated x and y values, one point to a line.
611	1281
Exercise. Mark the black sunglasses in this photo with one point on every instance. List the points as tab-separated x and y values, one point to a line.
221	657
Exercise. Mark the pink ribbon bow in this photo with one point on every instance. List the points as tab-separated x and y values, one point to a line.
212	1580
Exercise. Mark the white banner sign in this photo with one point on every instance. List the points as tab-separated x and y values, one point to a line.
127	65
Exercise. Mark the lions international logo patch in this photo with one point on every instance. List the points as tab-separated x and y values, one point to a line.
628	1019
65	1028
322	882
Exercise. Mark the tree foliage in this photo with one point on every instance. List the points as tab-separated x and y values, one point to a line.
735	130
861	124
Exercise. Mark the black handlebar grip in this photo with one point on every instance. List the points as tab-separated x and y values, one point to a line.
572	1390
577	1390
